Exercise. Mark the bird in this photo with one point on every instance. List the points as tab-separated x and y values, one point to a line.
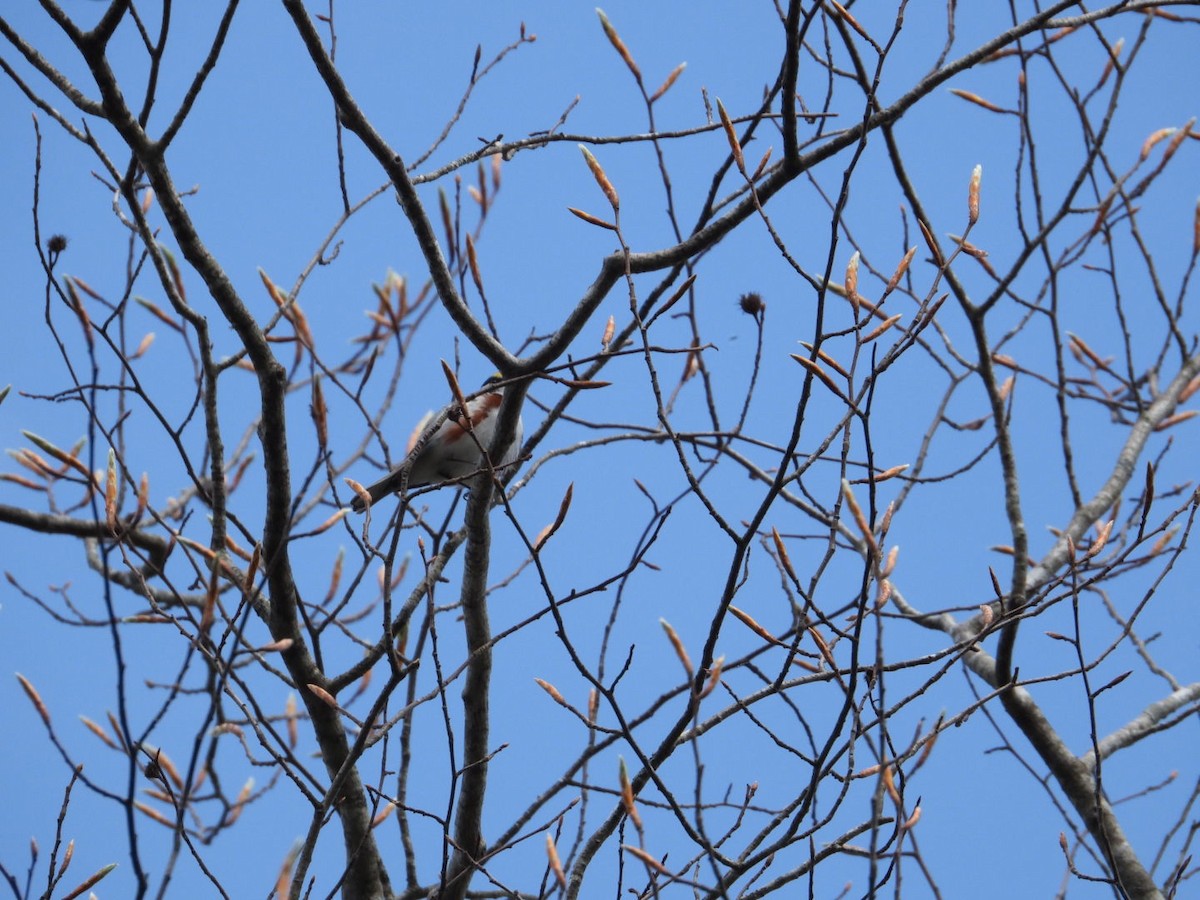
452	451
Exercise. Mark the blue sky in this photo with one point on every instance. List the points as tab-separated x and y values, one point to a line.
259	150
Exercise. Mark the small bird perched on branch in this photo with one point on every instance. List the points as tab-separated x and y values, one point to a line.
454	450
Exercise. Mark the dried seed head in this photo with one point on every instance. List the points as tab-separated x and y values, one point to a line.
752	304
